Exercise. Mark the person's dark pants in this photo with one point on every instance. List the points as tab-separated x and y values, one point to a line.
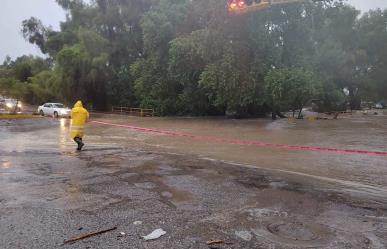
78	140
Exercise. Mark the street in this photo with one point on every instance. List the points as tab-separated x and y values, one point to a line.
196	190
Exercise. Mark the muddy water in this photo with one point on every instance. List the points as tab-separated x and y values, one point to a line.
367	174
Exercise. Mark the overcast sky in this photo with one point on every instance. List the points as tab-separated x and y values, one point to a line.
13	12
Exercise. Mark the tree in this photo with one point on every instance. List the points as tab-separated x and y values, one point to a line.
373	56
291	89
186	64
184	57
153	86
34	31
43	88
337	51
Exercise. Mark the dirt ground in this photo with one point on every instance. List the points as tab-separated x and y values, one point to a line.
248	197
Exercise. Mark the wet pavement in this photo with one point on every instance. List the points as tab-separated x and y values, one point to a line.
196	191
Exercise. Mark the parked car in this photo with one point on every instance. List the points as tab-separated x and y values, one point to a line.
54	109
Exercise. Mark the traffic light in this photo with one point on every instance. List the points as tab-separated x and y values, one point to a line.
241	6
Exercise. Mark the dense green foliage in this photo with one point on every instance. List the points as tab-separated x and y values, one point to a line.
194	58
291	88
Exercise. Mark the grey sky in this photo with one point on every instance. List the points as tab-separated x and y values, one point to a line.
13	12
365	5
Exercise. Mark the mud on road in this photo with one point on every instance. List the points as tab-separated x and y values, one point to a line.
50	193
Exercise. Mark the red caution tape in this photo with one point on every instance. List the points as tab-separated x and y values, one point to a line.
245	142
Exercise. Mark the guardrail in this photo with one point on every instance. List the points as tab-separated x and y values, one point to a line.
133	111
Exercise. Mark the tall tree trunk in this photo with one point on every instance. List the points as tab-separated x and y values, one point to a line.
15	109
300	113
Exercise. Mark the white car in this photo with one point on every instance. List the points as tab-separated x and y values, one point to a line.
54	109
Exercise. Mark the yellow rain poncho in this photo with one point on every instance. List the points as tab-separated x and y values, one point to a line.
79	116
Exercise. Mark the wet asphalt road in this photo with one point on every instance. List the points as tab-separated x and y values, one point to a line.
49	193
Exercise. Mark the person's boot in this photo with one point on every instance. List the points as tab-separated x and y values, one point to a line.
79	142
80	145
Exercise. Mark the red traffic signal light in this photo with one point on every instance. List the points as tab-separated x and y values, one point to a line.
240	6
236	4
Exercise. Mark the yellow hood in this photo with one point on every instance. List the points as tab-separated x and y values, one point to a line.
78	104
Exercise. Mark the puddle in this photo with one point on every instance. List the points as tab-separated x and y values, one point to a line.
258	213
259	182
296	233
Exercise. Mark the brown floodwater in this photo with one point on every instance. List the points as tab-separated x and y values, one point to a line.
353	173
358	131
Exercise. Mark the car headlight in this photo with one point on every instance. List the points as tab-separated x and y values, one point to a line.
9	105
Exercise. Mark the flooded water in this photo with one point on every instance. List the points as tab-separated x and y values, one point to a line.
356	131
366	172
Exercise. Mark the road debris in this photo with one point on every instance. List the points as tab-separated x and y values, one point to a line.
87	235
245	235
155	234
138	222
213	242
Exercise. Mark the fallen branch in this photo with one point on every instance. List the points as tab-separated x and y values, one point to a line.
87	235
213	242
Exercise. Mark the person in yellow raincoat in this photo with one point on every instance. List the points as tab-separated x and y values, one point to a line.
79	116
